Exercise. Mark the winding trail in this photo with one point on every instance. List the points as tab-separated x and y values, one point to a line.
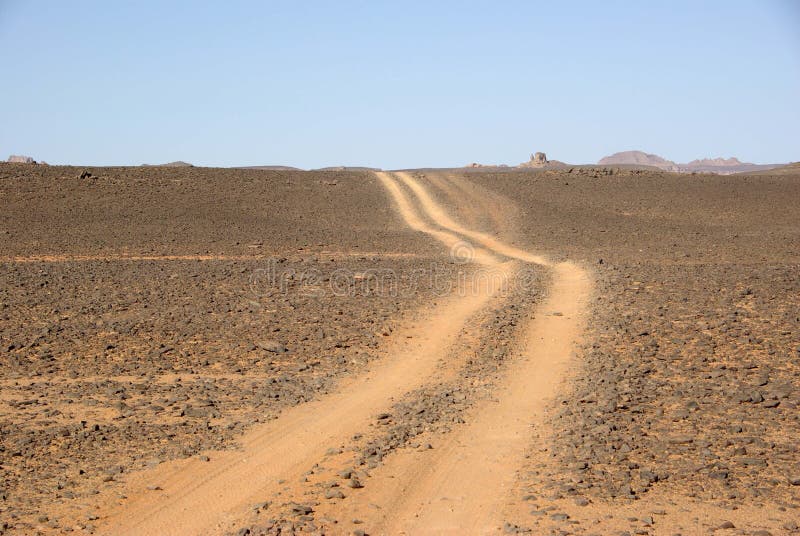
438	215
462	486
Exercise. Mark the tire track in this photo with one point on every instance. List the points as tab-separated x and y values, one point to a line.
211	497
474	465
438	215
463	487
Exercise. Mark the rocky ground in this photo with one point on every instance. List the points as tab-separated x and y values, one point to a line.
420	420
688	386
195	211
155	314
148	314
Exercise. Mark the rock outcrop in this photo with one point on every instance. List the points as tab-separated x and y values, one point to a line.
20	159
539	160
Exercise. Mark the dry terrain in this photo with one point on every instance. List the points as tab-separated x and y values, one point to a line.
243	351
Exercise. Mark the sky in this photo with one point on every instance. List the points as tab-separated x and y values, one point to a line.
397	84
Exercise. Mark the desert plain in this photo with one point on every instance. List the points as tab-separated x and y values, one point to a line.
581	350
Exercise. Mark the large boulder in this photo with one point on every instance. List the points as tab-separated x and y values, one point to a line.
20	159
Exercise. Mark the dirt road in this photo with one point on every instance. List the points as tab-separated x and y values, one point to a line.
463	487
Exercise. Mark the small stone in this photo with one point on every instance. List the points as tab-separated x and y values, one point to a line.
272	346
302	509
334	493
753	461
355	483
345	473
727	525
510	528
581	501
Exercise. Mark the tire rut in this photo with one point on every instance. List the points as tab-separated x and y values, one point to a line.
211	497
463	486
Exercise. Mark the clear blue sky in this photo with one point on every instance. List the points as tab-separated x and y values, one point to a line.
397	84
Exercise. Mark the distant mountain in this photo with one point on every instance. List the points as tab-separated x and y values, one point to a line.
178	163
270	168
347	168
638	158
721	166
715	162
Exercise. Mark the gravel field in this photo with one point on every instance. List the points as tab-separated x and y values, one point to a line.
155	314
688	385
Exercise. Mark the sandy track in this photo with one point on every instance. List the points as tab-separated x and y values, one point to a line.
464	486
198	497
449	238
461	488
437	213
480	206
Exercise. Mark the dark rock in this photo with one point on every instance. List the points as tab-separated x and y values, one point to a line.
273	346
302	509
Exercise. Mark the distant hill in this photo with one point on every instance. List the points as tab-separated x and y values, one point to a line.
348	168
270	168
638	158
178	163
720	166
